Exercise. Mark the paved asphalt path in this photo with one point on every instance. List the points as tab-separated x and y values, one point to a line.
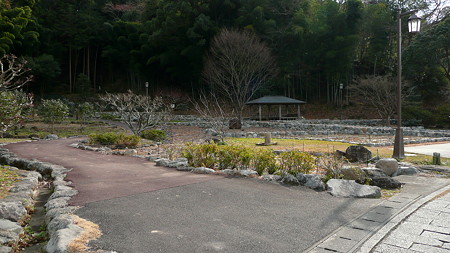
144	208
443	149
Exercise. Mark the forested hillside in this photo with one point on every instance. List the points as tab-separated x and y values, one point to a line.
87	46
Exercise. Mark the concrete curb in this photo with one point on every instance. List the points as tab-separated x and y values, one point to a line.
376	238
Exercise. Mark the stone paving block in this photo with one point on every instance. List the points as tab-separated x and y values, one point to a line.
353	233
410	228
398	242
338	244
401	235
446	245
426	213
420	220
443	230
445	223
383	248
404	197
374	216
428	248
437	236
365	224
437	205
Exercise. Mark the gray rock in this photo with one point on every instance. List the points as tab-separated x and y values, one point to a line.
358	153
10	226
271	178
175	164
229	172
290	179
405	168
203	170
5	249
51	214
211	132
59	222
61	239
51	137
349	188
181	160
8	237
13	210
162	162
312	181
63	192
130	152
379	178
57	203
186	168
388	165
247	173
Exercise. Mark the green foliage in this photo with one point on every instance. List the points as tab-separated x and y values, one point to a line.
117	139
84	111
109	116
332	165
265	160
294	162
154	135
53	111
240	157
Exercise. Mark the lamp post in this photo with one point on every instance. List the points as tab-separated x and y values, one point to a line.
413	27
146	89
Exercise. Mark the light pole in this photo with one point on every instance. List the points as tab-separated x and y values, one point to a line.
413	27
146	89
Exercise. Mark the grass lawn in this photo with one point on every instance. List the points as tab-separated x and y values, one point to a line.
7	178
328	147
11	140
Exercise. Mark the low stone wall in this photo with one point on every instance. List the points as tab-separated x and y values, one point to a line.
320	127
59	215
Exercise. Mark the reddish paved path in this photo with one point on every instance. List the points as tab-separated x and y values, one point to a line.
101	177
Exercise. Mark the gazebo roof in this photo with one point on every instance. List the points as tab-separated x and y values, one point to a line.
275	100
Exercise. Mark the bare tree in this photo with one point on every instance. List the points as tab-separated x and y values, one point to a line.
138	112
378	92
13	73
208	106
237	66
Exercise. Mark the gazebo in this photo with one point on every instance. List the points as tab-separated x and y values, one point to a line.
276	100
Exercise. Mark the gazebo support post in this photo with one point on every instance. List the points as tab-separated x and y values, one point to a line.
298	111
260	112
279	112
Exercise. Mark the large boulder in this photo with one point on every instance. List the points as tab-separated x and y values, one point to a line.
289	179
312	181
349	188
12	211
379	178
387	165
405	169
358	153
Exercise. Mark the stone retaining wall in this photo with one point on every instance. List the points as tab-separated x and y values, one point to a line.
321	127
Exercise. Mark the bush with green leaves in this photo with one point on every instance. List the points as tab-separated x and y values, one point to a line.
84	111
294	162
154	135
118	139
332	166
265	161
53	111
201	155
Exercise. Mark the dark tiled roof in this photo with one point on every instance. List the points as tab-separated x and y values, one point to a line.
275	100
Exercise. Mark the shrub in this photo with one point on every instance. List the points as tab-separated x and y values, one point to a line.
265	160
332	165
115	139
53	111
200	155
294	162
12	106
154	135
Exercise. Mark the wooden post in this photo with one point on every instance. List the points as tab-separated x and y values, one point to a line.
268	113
279	112
436	158
260	112
298	111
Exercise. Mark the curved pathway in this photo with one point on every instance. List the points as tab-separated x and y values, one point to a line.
144	208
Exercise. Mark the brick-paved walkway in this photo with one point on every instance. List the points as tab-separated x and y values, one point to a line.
425	230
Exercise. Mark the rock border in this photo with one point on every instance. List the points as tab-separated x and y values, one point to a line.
59	216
